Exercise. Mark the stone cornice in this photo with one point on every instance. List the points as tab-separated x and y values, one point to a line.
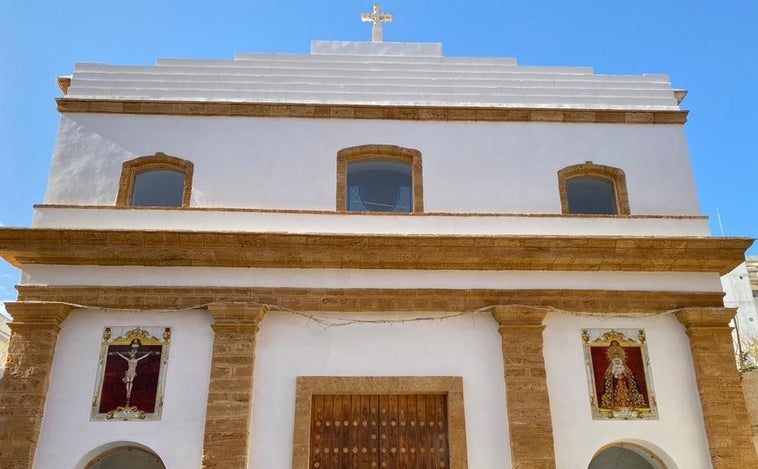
25	246
372	299
381	112
37	314
706	317
236	317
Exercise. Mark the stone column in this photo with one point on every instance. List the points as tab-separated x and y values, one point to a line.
227	418
724	412
528	404
23	389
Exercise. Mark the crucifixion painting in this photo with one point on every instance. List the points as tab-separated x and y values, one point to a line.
131	373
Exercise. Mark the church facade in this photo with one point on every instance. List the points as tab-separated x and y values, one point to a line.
370	256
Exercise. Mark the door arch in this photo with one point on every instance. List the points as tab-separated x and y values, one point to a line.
629	455
123	455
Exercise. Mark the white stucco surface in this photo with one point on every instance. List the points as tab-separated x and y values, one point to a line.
67	434
468	167
369	278
428	224
374	73
679	431
290	346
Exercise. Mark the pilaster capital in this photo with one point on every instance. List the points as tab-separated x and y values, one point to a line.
715	317
518	318
37	314
237	316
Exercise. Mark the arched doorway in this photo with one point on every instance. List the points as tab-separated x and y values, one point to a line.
626	456
126	457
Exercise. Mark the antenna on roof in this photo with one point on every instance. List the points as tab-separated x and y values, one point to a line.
721	226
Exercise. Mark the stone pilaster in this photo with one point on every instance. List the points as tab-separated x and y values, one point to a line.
724	412
227	418
23	389
529	420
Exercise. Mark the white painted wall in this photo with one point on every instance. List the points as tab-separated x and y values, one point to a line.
67	434
290	346
679	431
330	222
501	167
369	278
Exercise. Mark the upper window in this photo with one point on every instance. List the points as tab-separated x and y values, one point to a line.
155	181
593	189
379	178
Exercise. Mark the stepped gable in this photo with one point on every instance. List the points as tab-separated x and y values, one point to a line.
359	73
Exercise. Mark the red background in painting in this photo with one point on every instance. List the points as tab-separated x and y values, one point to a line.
145	387
633	360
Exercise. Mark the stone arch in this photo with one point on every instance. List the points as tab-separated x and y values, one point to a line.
108	455
631	454
410	156
615	176
159	161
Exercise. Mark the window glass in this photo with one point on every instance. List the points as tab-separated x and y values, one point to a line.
158	188
591	195
379	185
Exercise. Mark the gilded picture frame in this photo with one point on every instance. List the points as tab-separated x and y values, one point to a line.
131	374
618	374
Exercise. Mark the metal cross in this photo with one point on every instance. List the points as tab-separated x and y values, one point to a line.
377	17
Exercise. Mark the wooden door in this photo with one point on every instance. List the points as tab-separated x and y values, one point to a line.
392	431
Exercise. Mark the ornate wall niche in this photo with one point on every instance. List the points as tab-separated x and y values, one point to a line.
131	373
618	374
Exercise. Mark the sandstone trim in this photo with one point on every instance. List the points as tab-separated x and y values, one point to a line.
368	300
725	415
529	420
394	152
23	388
230	393
22	246
452	386
131	168
589	168
375	112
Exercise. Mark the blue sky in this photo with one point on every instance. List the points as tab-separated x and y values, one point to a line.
707	47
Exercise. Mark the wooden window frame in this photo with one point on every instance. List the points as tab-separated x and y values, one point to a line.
588	168
451	386
131	168
371	152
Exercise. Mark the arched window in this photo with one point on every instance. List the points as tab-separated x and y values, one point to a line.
593	189
379	178
158	180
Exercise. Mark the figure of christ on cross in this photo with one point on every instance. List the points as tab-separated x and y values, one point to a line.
377	17
132	359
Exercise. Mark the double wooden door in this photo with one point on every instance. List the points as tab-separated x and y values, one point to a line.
394	431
